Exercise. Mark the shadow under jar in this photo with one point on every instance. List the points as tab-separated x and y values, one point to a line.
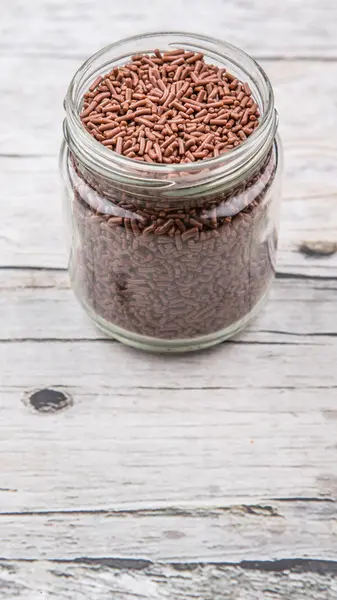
172	257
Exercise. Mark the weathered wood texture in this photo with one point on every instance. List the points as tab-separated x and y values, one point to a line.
288	29
230	533
144	433
32	191
228	456
97	581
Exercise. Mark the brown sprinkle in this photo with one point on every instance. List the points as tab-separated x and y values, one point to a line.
169	107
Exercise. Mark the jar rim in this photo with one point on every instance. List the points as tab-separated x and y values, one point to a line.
86	146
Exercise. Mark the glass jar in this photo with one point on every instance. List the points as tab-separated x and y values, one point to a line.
172	257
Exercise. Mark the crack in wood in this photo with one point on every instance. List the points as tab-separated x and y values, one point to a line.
32	268
261	510
287	275
219	388
108	340
301	565
312	334
304	499
17	155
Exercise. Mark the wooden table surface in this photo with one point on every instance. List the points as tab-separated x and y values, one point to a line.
210	475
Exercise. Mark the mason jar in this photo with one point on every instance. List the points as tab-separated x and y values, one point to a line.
172	257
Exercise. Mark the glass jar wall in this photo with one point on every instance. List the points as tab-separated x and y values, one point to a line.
172	257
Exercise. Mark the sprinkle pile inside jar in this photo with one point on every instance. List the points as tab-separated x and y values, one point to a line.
170	107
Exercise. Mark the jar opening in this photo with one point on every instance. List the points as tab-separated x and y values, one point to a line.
229	166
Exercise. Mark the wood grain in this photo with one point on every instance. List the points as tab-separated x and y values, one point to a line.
287	29
226	534
157	432
248	366
98	581
40	305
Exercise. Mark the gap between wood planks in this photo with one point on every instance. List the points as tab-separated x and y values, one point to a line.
278	274
259	57
299	565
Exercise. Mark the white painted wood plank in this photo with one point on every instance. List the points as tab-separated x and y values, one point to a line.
32	231
67	581
277	531
40	305
81	27
174	372
243	421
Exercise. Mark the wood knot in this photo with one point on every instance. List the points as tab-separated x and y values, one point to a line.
48	400
318	248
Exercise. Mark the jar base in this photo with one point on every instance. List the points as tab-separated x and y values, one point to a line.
164	346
